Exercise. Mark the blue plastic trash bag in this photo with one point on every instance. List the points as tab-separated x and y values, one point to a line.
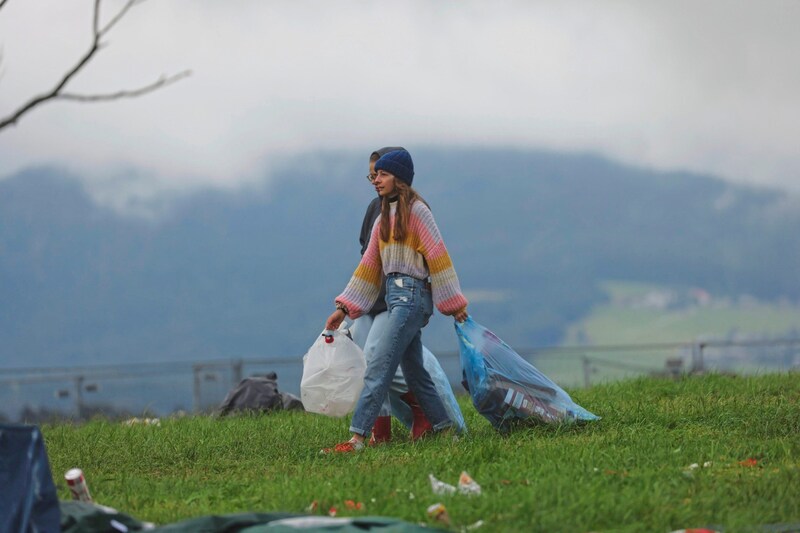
442	384
505	387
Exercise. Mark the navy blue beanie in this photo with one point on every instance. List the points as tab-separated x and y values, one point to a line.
398	163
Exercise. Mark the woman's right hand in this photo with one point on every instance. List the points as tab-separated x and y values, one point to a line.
335	320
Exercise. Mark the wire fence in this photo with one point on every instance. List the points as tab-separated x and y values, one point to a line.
162	388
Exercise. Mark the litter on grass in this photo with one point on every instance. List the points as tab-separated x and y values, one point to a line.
438	512
468	486
135	421
440	487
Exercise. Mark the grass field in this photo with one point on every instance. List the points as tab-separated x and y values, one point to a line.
628	472
618	323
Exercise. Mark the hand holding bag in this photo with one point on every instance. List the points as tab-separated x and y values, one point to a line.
333	375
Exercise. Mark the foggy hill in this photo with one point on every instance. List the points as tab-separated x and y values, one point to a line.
253	273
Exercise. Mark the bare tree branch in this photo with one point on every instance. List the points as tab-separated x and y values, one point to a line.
163	81
96	19
129	4
96	46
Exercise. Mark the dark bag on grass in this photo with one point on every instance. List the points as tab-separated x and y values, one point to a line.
259	393
505	387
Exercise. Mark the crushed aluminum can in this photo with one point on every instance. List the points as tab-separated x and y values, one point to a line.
468	486
77	485
438	512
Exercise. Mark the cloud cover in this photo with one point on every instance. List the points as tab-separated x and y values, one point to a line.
708	86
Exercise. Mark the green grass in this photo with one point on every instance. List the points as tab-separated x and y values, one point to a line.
614	323
623	473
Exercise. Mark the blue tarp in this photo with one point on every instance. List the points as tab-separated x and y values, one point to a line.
29	502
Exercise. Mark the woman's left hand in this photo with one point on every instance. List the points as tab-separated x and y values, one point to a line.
461	316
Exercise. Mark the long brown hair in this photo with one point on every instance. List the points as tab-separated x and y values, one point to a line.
406	196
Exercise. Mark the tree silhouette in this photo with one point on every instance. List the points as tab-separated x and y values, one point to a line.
58	91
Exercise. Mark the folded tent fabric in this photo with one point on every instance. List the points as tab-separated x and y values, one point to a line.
29	501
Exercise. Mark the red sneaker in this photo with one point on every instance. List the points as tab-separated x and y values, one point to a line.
350	446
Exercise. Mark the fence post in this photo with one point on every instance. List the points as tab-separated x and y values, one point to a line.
196	369
236	372
587	372
698	364
79	396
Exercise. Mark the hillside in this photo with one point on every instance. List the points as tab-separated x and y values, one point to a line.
252	273
710	451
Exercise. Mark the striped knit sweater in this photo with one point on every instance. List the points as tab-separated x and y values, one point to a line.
420	255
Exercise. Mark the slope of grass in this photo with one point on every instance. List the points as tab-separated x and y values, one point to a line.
628	472
618	323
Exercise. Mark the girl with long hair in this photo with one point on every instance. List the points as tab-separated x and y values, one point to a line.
406	249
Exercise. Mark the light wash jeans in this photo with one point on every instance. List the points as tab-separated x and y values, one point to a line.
410	307
367	330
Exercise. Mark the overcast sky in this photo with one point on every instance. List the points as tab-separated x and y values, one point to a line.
708	86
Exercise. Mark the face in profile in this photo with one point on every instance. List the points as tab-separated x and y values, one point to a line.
384	183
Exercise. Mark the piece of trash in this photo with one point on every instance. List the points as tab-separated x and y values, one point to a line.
332	511
312	507
440	487
353	505
688	472
468	486
77	485
749	462
119	526
143	421
438	512
476	525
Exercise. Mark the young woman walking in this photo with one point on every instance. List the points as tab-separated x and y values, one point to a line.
368	329
405	247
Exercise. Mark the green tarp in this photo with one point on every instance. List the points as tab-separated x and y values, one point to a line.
80	517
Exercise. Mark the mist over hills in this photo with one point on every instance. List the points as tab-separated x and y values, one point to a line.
253	273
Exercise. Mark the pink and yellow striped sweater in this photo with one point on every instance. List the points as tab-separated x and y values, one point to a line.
420	255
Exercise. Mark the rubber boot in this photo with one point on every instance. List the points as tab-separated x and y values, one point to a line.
420	425
381	431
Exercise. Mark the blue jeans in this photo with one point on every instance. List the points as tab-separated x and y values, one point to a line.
367	331
410	307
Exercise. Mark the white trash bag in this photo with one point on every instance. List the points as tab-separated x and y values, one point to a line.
333	375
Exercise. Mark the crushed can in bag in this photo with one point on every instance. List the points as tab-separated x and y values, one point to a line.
77	485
